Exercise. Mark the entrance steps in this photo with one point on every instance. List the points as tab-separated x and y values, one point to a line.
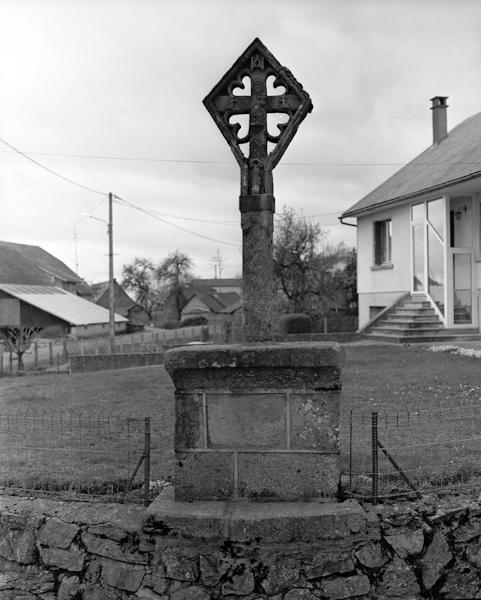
414	320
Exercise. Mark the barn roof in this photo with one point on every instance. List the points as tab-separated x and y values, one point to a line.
455	159
31	265
63	305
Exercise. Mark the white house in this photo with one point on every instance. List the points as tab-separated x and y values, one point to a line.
419	239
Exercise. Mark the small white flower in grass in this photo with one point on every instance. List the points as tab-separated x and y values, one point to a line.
470	352
443	348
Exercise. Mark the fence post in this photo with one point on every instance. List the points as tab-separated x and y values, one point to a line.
325	324
10	362
184	339
146	461
35	355
1	358
50	352
350	451
375	458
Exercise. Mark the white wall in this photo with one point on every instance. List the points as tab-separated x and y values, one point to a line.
380	286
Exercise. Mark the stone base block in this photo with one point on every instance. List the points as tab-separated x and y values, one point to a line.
267	522
260	476
257	422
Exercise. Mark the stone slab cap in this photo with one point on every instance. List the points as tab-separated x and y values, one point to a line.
267	522
280	364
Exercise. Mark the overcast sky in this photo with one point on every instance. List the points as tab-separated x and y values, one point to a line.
109	94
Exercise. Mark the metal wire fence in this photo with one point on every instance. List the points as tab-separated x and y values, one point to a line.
412	451
78	454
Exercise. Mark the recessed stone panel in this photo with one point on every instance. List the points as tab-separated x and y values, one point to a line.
315	421
204	476
189	426
246	421
287	476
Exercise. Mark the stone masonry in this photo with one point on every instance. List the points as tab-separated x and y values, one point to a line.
76	551
257	422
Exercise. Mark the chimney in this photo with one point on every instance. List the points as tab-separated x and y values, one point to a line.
440	121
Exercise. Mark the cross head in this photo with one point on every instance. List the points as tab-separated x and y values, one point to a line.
257	64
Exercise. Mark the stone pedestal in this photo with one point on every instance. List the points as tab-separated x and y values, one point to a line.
256	422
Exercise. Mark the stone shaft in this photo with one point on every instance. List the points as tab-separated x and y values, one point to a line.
257	221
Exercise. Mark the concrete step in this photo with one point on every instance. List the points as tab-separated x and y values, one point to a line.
410	317
399	330
415	306
442	336
403	310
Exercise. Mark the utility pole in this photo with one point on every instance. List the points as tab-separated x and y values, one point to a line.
111	278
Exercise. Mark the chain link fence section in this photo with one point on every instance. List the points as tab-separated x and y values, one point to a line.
388	454
78	455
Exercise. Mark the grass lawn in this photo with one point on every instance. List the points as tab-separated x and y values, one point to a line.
429	416
427	403
84	429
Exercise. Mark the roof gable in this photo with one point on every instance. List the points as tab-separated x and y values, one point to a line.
31	265
455	159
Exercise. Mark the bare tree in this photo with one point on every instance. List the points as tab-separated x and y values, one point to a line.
173	274
18	340
306	267
138	278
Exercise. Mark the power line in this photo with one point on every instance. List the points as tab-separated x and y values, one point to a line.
209	221
76	222
219	162
154	216
80	185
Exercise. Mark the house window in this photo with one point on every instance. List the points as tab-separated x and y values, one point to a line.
382	242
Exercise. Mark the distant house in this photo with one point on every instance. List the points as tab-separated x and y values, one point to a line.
217	285
208	297
38	290
123	303
207	303
202	297
419	239
53	310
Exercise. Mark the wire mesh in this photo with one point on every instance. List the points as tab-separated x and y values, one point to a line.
437	448
73	454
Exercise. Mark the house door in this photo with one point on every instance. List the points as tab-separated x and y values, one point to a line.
428	251
460	261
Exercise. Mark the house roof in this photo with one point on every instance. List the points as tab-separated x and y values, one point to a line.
120	295
31	265
217	303
63	305
215	283
455	159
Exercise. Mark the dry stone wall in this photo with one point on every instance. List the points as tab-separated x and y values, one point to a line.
83	363
71	551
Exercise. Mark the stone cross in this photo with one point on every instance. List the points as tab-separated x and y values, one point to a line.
257	204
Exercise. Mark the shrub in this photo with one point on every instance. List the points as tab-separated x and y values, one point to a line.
295	323
192	321
169	324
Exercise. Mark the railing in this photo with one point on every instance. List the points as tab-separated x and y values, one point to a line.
412	451
79	454
52	355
